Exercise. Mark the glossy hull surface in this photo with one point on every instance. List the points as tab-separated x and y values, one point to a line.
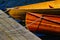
43	22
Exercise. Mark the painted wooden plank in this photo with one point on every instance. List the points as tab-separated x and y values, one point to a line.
2	14
14	31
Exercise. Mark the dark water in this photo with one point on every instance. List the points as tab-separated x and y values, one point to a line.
50	37
12	3
47	37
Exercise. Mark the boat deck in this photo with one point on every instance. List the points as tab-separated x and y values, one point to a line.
11	30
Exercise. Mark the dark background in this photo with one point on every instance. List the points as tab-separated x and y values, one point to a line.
12	3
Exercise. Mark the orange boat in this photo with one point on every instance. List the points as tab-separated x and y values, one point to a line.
43	23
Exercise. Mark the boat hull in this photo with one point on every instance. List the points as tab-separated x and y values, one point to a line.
43	23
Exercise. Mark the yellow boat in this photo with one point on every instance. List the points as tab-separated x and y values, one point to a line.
47	8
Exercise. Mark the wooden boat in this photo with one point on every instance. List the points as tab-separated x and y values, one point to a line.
49	22
44	21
